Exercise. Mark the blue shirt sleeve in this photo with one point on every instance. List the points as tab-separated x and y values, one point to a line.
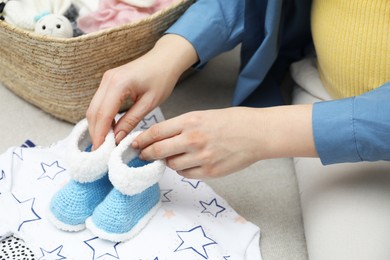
211	26
353	129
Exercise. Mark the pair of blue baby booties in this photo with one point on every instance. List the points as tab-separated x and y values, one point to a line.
111	192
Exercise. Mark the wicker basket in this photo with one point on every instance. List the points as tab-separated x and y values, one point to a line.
60	76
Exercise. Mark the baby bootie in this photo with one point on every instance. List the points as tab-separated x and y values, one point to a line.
89	184
134	199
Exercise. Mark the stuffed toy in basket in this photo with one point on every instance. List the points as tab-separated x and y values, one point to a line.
61	75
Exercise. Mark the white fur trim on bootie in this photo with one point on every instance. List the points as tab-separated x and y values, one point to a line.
132	180
88	166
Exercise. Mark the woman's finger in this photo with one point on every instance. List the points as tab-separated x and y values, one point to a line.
165	148
132	117
183	161
163	130
93	109
192	173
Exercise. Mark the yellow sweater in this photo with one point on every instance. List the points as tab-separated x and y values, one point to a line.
352	42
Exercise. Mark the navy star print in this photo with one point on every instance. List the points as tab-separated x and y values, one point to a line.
54	254
27	211
102	248
195	239
51	170
212	208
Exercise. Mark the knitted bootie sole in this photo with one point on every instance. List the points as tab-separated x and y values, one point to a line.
74	203
121	217
89	184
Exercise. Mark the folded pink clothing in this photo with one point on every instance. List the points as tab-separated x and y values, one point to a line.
114	12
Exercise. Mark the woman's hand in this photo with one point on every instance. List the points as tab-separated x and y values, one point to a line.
203	144
148	81
214	143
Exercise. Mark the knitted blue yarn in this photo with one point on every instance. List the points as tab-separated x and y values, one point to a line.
76	201
137	162
119	213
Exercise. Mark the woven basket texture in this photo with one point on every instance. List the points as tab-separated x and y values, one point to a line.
60	76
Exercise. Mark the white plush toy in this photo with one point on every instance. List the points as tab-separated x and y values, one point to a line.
21	13
25	13
54	25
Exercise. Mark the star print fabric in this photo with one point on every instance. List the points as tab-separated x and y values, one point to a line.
192	223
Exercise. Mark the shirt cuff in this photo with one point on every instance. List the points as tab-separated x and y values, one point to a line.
333	131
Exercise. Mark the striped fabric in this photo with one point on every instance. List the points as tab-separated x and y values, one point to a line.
352	41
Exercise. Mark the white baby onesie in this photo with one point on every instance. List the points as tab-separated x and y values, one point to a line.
193	222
